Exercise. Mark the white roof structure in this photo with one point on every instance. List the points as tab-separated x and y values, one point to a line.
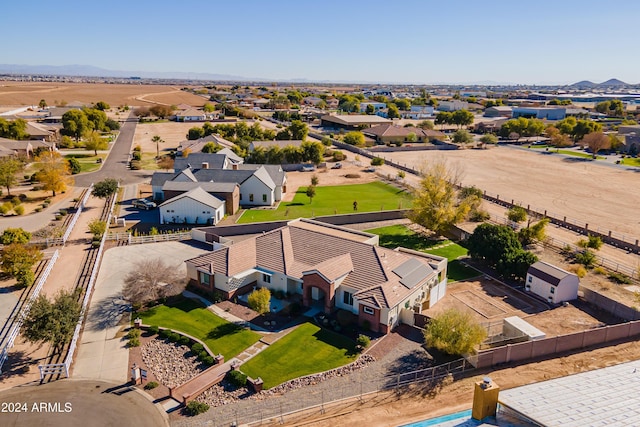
608	396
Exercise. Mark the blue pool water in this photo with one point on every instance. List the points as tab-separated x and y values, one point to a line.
443	419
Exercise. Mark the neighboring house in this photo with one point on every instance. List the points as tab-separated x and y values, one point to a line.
499	111
6	152
552	283
377	106
352	121
453	105
275	143
391	134
548	113
195	145
418	112
331	267
196	206
332	103
23	148
42	132
194	115
203	161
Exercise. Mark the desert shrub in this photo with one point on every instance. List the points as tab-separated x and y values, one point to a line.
15	200
621	279
153	329
184	340
600	270
134	342
63	212
23	197
579	270
38	209
338	156
237	378
377	161
165	333
133	333
586	258
150	385
58	217
137	149
173	337
135	165
352	175
19	210
479	215
363	341
196	408
260	300
197	348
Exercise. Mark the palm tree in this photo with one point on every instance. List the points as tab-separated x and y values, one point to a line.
157	140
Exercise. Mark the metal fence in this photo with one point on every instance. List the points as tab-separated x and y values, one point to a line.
76	215
25	310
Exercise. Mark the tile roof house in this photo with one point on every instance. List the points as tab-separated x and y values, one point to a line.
194	115
195	145
23	147
328	265
388	134
551	283
351	121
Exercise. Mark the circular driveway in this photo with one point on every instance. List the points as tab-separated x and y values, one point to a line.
73	403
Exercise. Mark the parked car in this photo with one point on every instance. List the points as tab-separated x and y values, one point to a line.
308	168
337	166
370	169
143	204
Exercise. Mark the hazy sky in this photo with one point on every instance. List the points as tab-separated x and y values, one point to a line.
419	41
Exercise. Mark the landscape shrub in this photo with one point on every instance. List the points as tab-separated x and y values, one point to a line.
202	354
173	337
196	408
38	209
135	165
479	215
15	200
586	258
377	161
208	360
19	210
153	329
136	156
150	385
352	175
5	208
23	197
184	340
197	348
363	341
619	278
63	212
165	333
600	270
580	271
338	156
134	342
133	333
237	378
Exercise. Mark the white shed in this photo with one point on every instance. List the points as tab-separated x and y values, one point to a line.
552	283
193	207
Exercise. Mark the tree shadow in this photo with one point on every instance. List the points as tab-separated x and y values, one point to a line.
295	204
412	361
18	363
224	330
107	313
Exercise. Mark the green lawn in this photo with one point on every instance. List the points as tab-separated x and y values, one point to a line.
192	318
332	200
306	350
630	161
577	154
393	236
88	162
399	235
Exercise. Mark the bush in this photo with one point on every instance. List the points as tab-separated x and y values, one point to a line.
19	210
136	156
133	333
165	333
197	348
338	156
184	340
153	329
208	360
580	271
38	209
352	175
135	165
600	270
15	201
479	215
151	385
363	341
237	378
196	408
63	212
377	161
586	258
23	197
134	342
260	300
173	337
619	278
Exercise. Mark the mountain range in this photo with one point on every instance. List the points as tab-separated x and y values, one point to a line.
586	84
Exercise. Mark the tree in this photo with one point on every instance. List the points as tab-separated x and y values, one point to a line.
462	118
584	127
52	321
10	167
195	133
75	124
596	141
402	104
42	104
311	192
615	107
161	111
53	172
591	242
370	109
488	138
461	136
260	300
454	332
17	260
105	188
14	235
444	118
157	139
412	137
101	105
393	112
312	151
314	180
208	108
517	214
354	138
299	130
150	280
534	233
377	161
436	205
557	138
211	147
97	227
74	165
13	129
95	142
426	124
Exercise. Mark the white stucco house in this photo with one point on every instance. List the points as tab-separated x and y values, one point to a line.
193	207
331	266
552	283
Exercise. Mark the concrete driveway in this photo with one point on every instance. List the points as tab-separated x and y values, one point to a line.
102	353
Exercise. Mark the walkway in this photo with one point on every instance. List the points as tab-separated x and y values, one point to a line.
203	381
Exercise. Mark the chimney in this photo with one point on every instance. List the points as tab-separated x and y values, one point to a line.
234	166
205	165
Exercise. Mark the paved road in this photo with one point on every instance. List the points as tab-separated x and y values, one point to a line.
117	163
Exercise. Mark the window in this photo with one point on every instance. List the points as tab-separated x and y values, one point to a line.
530	279
264	198
266	278
251	197
552	290
347	298
205	278
367	310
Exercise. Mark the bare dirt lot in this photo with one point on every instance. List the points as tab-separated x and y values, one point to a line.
25	93
605	197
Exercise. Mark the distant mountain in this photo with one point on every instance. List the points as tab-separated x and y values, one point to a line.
584	84
612	82
90	71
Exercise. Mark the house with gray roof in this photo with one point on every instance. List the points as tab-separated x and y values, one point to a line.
196	206
330	266
195	145
552	283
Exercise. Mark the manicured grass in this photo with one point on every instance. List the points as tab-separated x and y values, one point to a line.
331	200
577	154
630	161
537	147
450	252
393	236
88	162
192	318
306	350
456	271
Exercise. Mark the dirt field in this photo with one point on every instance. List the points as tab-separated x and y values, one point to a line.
24	93
605	197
